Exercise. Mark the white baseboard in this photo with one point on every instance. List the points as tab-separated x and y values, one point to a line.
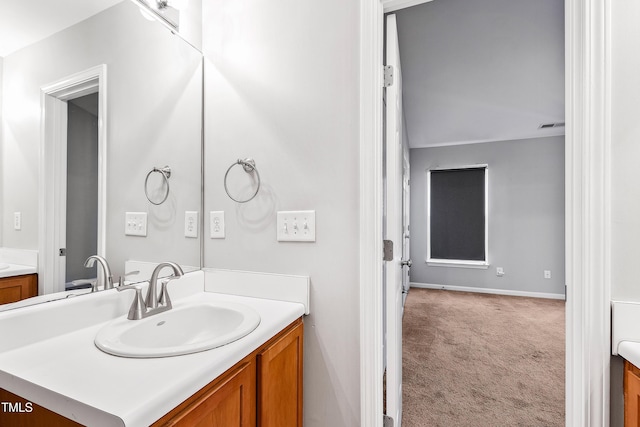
487	291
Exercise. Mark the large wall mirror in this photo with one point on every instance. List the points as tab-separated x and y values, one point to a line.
87	112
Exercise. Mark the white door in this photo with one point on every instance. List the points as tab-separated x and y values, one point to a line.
406	253
393	226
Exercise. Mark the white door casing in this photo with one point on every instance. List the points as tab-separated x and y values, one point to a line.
52	184
588	196
394	155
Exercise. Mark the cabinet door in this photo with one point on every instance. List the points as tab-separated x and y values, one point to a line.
280	381
17	288
229	403
631	395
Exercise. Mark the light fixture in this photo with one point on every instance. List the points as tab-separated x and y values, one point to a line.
162	10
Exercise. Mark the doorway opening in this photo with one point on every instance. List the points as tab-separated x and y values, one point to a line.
72	179
488	276
81	237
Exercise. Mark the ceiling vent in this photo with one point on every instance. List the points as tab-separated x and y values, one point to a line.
551	125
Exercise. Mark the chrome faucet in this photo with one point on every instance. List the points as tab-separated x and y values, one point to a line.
153	304
152	299
106	271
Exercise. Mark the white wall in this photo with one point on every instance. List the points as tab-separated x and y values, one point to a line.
282	87
1	147
154	104
526	214
625	136
625	152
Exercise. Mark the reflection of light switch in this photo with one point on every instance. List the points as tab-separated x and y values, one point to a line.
191	224
216	225
17	221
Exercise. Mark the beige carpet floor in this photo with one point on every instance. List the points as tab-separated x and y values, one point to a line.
482	360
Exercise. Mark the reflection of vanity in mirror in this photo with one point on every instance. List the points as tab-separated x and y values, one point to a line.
91	109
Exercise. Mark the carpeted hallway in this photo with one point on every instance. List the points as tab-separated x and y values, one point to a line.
482	360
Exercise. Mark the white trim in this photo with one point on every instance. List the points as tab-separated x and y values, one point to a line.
370	206
461	263
587	212
52	138
454	167
588	264
393	5
457	263
484	141
492	291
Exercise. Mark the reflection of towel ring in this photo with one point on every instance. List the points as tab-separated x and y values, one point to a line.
166	174
249	165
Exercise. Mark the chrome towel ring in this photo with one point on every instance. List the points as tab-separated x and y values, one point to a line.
166	174
249	165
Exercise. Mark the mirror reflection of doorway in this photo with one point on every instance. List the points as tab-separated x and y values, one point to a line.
82	187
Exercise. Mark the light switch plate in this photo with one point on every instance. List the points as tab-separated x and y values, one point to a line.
216	225
191	224
135	224
17	221
296	226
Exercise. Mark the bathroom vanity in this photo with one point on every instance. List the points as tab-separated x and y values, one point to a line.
17	288
57	376
625	342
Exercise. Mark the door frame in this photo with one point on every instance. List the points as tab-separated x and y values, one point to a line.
52	184
587	210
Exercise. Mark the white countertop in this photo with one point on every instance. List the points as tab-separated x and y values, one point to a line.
630	350
68	374
10	270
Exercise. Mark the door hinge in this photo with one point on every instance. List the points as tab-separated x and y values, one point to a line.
388	250
387	421
62	252
388	75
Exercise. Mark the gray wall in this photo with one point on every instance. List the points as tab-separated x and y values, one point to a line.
526	214
481	70
282	87
82	188
154	88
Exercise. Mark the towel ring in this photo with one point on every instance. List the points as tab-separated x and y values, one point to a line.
249	165
166	174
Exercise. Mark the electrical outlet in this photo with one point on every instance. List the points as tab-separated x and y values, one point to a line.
17	221
547	274
216	225
499	271
296	226
135	224
191	224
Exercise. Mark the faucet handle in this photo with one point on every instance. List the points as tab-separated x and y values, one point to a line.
121	278
164	295
138	308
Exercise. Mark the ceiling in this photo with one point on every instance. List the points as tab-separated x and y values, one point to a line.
23	22
481	70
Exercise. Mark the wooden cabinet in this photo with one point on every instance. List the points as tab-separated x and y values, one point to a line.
264	389
280	381
227	401
18	412
631	395
17	288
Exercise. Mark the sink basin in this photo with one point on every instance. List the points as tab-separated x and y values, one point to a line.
182	330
